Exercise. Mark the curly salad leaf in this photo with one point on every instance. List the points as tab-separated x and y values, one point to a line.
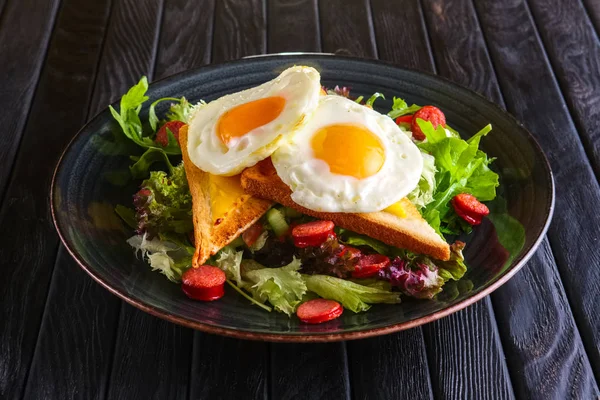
166	254
164	203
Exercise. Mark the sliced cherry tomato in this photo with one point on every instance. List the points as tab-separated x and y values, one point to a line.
469	208
204	283
312	233
319	310
252	233
350	252
162	137
407	119
370	265
427	113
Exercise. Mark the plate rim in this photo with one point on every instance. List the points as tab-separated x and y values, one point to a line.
313	337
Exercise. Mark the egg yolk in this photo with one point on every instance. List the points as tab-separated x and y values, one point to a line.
246	117
349	150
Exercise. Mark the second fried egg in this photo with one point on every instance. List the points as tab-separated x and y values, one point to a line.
348	158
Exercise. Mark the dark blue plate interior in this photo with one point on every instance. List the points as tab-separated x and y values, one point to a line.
92	177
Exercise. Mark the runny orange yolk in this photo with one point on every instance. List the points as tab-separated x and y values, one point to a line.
349	150
246	117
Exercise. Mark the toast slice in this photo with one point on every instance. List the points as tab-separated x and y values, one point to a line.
409	232
221	209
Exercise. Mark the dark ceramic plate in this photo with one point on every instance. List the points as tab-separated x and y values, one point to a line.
92	177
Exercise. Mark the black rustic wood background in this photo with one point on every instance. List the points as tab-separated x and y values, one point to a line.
63	336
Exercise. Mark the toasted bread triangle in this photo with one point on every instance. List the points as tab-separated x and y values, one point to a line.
411	232
213	232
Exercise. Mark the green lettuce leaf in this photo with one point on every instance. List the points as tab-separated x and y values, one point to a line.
141	168
352	296
400	108
128	116
354	239
455	268
461	168
282	287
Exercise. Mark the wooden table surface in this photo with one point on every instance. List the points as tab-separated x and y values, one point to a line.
62	336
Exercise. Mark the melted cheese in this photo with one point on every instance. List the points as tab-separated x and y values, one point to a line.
225	193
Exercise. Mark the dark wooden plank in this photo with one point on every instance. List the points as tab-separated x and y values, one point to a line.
541	342
574	51
593	10
511	38
238	373
407	46
25	28
240	29
309	371
184	44
466	357
390	367
73	351
347	28
28	238
293	26
152	358
128	53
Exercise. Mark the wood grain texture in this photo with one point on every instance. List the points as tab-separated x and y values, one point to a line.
185	36
593	11
409	46
28	238
152	358
347	28
240	29
542	345
511	38
466	357
130	50
574	51
390	367
74	349
225	368
309	371
26	49
293	26
458	46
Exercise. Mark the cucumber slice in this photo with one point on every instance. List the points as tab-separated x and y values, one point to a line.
277	221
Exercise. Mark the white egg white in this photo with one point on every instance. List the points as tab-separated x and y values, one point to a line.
300	86
315	187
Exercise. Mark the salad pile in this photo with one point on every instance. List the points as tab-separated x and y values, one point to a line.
288	259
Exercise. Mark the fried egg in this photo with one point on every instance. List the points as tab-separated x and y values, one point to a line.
348	158
238	130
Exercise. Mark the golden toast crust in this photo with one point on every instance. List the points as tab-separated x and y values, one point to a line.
412	232
209	235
